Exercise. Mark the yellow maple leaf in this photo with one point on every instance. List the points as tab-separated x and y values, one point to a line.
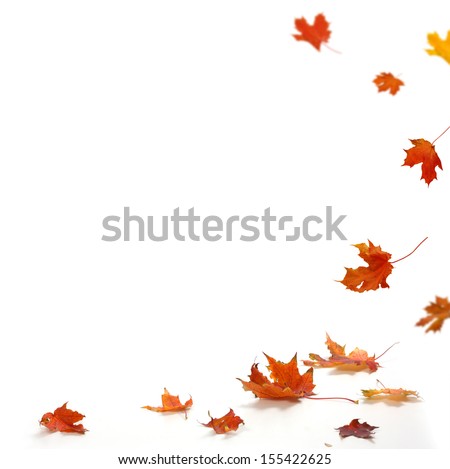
440	46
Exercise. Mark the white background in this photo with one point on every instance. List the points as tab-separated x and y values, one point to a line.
213	105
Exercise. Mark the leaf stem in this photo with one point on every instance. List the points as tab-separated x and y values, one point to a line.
389	348
335	51
393	262
326	398
432	143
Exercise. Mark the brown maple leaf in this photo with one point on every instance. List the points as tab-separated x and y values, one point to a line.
438	312
287	382
387	82
357	360
63	420
375	274
225	424
316	33
171	404
354	428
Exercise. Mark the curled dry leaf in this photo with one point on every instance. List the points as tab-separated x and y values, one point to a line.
357	360
440	47
171	404
316	33
225	424
63	420
438	312
354	428
287	382
387	82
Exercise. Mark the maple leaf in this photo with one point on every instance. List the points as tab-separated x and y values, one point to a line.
423	152
354	428
63	420
438	312
225	424
357	360
287	382
387	82
315	34
440	46
171	404
389	392
375	274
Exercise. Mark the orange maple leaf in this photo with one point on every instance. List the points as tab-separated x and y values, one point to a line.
357	360
375	274
354	428
423	152
287	382
399	394
438	312
63	420
315	34
225	424
387	82
171	404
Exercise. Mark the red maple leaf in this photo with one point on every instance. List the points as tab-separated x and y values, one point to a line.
423	152
354	428
224	424
315	34
63	420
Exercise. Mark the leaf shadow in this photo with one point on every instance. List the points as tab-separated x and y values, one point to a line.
394	401
44	433
370	438
212	434
348	370
280	404
173	414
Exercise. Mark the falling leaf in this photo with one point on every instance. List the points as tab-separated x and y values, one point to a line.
387	82
315	34
354	428
375	274
423	152
440	46
287	382
357	360
63	420
438	312
171	404
225	424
